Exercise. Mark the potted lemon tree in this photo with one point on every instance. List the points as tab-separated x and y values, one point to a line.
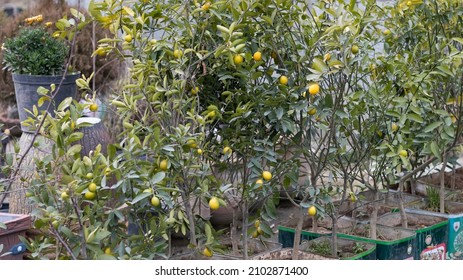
37	62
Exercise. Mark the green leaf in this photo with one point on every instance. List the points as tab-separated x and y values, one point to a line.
168	148
140	197
319	65
2	225
270	209
42	100
74	150
268	19
75	136
279	113
432	126
415	117
158	177
266	229
435	149
106	257
208	231
42	91
65	104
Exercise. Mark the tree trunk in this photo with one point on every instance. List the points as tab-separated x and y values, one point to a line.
19	204
314	224
297	233
374	216
245	230
403	215
413	185
442	186
234	231
190	215
334	236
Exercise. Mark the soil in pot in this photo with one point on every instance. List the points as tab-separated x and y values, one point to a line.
388	202
347	249
256	247
287	254
324	226
431	231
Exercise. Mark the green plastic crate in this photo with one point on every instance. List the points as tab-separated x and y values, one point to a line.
399	245
286	236
368	254
432	232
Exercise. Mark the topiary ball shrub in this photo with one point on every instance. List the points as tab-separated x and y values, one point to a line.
34	51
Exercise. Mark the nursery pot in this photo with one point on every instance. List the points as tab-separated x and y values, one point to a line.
392	243
26	93
454	250
431	232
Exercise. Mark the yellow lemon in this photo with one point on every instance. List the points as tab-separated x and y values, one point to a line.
238	59
92	187
257	56
314	89
403	153
206	6
108	251
178	54
64	195
354	49
163	164
93	107
387	32
194	90
312	211
211	114
327	57
191	143
227	150
207	252
100	52
214	203
199	151
89	195
283	80
266	175
128	38
312	111
259	183
155	201
394	127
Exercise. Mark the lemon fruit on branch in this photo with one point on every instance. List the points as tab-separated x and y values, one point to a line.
266	175
312	211
214	203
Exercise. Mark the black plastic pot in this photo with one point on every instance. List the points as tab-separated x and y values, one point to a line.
26	93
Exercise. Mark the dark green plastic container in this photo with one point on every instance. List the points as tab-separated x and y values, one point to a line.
399	244
431	231
286	236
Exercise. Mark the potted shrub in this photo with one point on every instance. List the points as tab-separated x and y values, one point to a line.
37	60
